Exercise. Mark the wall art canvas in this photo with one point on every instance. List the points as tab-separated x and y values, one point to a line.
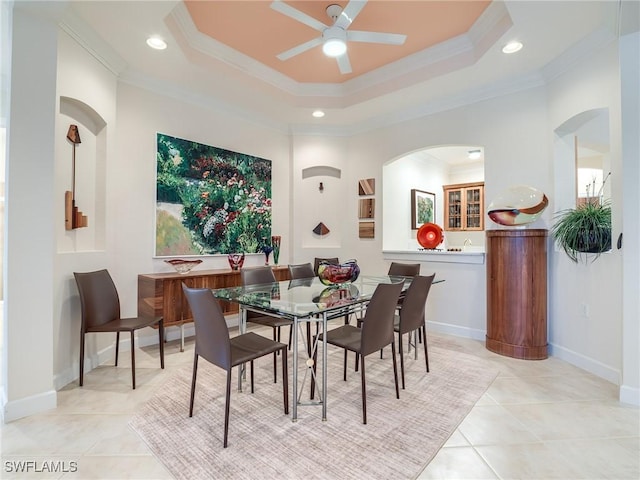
210	200
423	208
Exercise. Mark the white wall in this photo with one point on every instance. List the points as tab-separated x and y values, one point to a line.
593	342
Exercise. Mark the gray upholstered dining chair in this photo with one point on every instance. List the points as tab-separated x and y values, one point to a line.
376	333
300	271
100	306
263	275
411	317
214	345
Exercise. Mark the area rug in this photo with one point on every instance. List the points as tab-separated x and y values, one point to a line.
399	440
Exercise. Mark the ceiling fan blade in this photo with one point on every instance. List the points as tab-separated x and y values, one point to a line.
303	47
344	64
296	14
350	13
376	37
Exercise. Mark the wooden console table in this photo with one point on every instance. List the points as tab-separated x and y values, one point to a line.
517	293
160	294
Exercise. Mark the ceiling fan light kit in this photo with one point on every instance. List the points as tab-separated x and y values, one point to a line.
335	42
334	37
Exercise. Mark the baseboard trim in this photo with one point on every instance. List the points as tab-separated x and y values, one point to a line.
457	330
585	363
15	409
630	395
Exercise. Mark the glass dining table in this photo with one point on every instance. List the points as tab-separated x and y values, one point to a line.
302	301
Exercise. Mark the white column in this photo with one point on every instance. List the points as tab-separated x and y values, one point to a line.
29	237
630	99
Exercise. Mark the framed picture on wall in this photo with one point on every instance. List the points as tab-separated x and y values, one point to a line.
423	208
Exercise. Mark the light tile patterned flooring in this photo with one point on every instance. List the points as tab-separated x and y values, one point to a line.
538	420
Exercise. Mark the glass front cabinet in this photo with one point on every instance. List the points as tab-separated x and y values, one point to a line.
464	206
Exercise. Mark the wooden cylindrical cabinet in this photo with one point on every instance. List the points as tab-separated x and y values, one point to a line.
517	293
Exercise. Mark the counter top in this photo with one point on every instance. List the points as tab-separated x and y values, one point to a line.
441	256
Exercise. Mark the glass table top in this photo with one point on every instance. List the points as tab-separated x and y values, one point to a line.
306	297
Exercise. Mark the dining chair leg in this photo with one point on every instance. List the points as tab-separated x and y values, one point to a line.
344	366
275	357
291	336
395	368
251	366
226	408
426	355
285	381
193	384
117	346
81	376
364	391
133	361
161	340
401	353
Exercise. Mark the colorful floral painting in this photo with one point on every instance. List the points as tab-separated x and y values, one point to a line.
210	200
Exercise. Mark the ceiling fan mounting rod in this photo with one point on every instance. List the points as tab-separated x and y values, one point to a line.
334	11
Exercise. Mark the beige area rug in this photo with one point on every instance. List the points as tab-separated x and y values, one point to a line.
400	439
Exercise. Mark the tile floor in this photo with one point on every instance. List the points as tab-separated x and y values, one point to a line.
538	420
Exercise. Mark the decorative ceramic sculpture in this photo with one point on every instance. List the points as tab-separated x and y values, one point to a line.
236	260
429	235
330	274
183	266
517	205
321	229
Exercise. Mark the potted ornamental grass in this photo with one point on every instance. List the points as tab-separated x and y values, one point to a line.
584	229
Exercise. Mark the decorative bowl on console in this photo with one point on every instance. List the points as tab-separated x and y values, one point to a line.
517	206
346	272
183	266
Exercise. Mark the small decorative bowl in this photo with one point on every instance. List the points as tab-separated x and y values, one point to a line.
183	266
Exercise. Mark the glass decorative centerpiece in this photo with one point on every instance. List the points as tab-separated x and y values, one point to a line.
275	244
517	206
236	260
183	266
330	274
267	249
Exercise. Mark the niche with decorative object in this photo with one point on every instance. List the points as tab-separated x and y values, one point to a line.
73	217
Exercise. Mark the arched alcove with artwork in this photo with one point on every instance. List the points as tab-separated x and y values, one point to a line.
81	170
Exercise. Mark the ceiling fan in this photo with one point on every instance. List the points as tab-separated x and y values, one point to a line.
334	37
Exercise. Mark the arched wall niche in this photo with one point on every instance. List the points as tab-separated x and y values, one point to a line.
426	169
582	158
90	174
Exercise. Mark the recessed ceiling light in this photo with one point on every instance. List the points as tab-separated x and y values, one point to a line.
318	113
157	43
512	47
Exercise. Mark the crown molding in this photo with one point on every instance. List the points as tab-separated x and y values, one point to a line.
582	50
161	87
77	29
